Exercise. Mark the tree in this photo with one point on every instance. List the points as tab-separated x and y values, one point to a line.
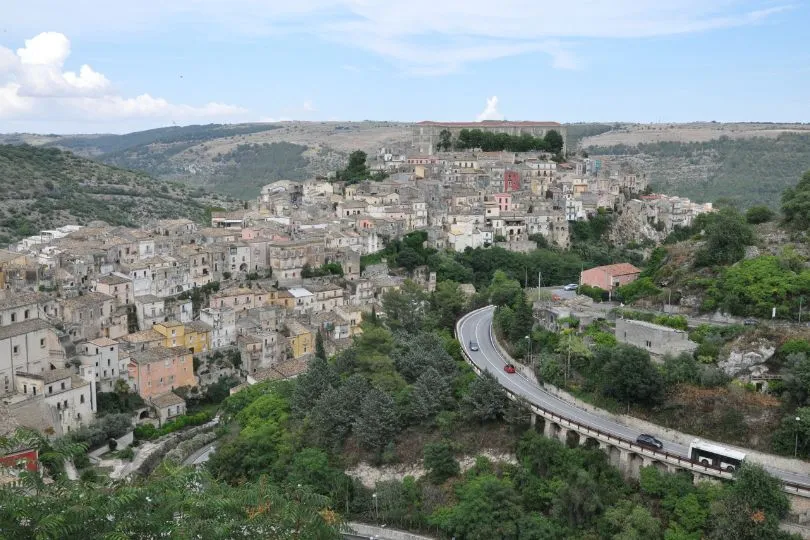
578	502
431	394
727	234
751	507
175	504
409	259
320	349
356	170
377	422
447	304
439	462
485	399
553	142
406	308
758	214
487	508
312	384
629	375
502	290
629	521
796	204
445	141
681	369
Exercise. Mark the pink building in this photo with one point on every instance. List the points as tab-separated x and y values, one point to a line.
504	201
609	277
511	181
160	369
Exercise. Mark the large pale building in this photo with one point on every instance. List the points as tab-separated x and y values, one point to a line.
425	135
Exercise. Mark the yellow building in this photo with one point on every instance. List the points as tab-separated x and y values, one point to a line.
301	339
194	336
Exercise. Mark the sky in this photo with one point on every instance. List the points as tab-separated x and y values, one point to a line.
90	66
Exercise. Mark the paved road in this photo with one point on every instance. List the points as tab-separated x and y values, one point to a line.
478	327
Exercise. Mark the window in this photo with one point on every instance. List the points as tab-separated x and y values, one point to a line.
16	349
42	343
65	405
25	389
63	385
81	398
13	317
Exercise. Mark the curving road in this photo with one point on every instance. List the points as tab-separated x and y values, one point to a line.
477	327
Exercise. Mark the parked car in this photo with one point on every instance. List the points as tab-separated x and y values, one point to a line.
473	346
571	287
750	322
509	368
649	440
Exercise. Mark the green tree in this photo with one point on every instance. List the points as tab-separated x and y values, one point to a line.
311	385
356	170
751	507
758	214
641	288
447	304
320	349
439	462
377	422
629	521
409	259
629	375
487	508
553	142
406	308
485	399
431	393
727	234
578	503
445	141
796	204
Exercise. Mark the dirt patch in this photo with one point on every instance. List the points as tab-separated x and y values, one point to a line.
633	134
370	475
732	415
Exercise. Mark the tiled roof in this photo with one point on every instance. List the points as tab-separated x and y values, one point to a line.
620	269
20	328
166	400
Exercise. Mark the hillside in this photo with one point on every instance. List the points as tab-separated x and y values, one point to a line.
43	188
745	163
233	159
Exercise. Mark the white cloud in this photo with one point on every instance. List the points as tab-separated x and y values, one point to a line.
452	34
491	111
34	86
308	106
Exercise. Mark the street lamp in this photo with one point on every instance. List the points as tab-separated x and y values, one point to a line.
796	444
376	507
529	339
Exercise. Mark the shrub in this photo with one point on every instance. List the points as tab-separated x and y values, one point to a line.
149	432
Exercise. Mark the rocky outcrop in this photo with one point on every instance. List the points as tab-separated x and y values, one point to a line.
748	359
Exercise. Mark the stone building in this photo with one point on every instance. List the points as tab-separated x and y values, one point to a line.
654	338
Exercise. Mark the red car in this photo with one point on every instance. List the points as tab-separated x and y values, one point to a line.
509	368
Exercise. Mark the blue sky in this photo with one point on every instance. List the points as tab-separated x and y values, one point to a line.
93	66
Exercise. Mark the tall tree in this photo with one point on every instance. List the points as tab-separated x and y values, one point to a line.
796	204
320	349
377	422
629	375
485	399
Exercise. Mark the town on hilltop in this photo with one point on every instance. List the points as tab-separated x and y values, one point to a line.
174	305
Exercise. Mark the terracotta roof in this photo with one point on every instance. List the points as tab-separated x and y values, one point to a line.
620	269
166	400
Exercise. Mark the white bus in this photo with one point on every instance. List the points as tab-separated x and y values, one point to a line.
715	455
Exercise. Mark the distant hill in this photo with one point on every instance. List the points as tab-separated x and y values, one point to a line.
234	159
746	171
42	188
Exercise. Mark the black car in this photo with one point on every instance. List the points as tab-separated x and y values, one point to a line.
473	346
649	440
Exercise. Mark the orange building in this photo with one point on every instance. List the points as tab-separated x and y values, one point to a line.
161	369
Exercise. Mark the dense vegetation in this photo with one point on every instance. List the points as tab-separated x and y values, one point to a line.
576	132
45	188
747	171
491	142
248	167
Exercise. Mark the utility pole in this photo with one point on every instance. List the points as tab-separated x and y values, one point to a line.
801	300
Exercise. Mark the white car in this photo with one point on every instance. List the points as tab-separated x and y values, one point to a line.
571	287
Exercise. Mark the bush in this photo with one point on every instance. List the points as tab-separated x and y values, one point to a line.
102	430
127	453
440	463
597	294
149	432
759	214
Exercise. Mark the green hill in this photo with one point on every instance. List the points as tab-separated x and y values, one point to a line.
747	171
42	188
